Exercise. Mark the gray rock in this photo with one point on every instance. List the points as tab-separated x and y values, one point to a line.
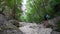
8	28
33	28
10	32
15	22
2	18
55	32
54	21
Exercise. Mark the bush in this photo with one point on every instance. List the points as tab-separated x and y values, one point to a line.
36	10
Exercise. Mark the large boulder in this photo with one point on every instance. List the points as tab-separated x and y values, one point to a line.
54	21
8	28
33	28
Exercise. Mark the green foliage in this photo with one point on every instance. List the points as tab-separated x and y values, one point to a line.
10	3
58	1
36	10
58	24
11	8
13	4
18	10
18	14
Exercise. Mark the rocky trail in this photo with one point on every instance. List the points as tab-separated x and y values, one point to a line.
11	27
47	27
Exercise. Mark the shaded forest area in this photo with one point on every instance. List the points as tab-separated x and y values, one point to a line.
33	11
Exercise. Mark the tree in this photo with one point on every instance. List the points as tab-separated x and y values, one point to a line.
35	10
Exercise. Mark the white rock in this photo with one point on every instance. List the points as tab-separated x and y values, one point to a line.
33	28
